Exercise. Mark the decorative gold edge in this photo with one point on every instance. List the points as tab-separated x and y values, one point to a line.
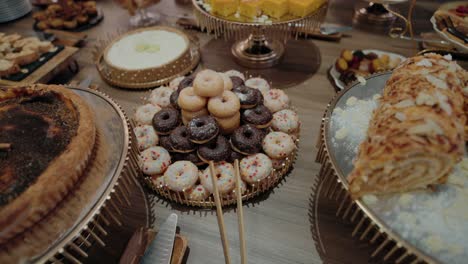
192	54
105	212
336	187
181	197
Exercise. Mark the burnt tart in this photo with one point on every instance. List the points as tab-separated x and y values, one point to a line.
47	134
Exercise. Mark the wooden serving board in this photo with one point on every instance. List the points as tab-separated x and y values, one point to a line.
47	71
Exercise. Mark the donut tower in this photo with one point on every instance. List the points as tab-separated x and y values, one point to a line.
214	117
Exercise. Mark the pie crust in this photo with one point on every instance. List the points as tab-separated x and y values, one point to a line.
62	172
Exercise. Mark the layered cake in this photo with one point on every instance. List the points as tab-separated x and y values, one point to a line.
47	136
146	49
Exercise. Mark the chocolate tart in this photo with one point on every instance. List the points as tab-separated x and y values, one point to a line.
48	134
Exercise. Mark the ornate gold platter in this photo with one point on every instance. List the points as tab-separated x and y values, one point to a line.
148	77
84	217
416	227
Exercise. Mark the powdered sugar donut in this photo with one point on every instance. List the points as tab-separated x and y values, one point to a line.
278	145
227	81
161	96
154	161
144	114
255	168
198	193
225	175
235	73
208	83
259	84
146	136
158	181
174	84
286	121
276	100
181	176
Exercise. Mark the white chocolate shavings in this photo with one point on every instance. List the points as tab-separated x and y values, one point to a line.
424	63
400	116
425	99
443	104
428	127
376	97
405	103
436	82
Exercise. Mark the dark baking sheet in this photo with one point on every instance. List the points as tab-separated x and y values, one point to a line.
93	21
33	66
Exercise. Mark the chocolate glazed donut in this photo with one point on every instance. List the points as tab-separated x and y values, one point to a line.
202	129
234	155
180	141
165	142
249	97
259	116
216	150
186	82
166	120
236	81
192	157
173	99
247	140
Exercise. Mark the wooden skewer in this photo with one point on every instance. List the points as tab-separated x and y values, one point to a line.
5	146
219	213
240	213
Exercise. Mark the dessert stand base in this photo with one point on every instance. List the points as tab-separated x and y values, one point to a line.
257	52
300	61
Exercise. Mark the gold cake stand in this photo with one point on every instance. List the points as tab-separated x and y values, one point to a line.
258	45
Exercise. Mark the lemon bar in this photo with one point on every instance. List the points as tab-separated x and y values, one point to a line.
224	7
275	8
302	8
250	8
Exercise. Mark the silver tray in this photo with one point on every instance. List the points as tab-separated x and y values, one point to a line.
417	222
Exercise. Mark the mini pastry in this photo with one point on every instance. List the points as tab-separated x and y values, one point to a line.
225	178
166	120
23	57
161	96
144	114
7	67
259	84
278	145
202	129
248	97
224	7
154	161
250	8
70	24
225	105
275	8
216	150
40	15
255	168
247	140
146	137
208	83
181	176
286	121
43	25
180	141
190	101
258	116
56	22
229	124
276	100
82	19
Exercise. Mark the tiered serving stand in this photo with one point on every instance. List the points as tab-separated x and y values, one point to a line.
258	45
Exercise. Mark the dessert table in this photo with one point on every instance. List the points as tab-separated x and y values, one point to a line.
281	226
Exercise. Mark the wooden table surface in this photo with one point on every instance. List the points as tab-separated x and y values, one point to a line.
278	225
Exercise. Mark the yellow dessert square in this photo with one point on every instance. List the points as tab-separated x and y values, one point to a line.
302	8
250	8
275	8
224	7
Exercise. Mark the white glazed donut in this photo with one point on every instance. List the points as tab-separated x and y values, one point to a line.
161	96
225	175
158	181
259	84
154	161
255	168
174	84
286	121
198	193
235	73
278	145
181	176
243	188
227	81
146	137
145	113
276	100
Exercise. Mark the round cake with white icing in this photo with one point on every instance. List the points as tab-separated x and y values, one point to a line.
145	49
